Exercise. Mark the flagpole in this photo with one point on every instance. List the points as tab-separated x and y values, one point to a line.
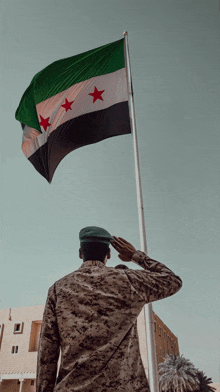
148	310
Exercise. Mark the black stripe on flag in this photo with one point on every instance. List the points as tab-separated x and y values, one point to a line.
80	131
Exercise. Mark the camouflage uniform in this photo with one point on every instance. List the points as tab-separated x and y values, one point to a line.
91	315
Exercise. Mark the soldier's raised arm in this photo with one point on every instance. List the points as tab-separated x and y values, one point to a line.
156	281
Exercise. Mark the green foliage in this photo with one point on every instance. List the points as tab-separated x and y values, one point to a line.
204	382
177	374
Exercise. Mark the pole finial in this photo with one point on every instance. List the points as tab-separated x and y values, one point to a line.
125	33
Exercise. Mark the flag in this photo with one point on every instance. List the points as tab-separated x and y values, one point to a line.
74	102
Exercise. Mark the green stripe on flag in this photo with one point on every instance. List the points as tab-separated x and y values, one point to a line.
26	113
64	73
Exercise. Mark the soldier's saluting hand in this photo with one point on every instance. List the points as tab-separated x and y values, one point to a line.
124	248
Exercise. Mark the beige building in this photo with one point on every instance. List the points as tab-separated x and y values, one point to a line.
216	386
19	339
19	336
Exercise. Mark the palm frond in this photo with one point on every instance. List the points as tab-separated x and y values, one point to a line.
204	382
178	374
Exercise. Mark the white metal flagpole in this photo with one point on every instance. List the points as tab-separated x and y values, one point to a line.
148	311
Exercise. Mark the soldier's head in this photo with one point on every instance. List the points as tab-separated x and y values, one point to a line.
94	244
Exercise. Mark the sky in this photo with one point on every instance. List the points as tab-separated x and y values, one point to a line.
174	53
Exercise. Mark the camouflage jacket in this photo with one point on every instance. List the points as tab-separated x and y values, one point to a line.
91	316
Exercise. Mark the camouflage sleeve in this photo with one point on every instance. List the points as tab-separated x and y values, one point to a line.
156	281
48	351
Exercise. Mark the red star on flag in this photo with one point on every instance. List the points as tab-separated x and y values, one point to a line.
67	104
97	94
44	122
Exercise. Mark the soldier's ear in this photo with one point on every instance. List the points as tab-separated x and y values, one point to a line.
109	254
80	254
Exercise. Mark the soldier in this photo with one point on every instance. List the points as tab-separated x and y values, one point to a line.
91	316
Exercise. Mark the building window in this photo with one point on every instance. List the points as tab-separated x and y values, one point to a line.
160	351
35	335
18	327
159	331
155	326
14	350
32	382
164	334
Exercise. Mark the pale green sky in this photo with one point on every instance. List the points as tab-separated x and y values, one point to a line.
174	49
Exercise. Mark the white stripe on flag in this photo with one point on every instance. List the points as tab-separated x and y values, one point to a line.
114	84
32	139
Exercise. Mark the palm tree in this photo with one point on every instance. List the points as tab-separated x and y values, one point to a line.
204	382
177	374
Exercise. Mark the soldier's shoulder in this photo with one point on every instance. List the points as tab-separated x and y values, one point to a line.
64	278
119	270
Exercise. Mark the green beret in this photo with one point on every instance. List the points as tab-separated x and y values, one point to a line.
95	234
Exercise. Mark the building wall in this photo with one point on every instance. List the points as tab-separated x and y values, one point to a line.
142	339
13	386
216	386
166	342
24	361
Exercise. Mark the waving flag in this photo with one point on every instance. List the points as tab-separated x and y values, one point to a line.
72	103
